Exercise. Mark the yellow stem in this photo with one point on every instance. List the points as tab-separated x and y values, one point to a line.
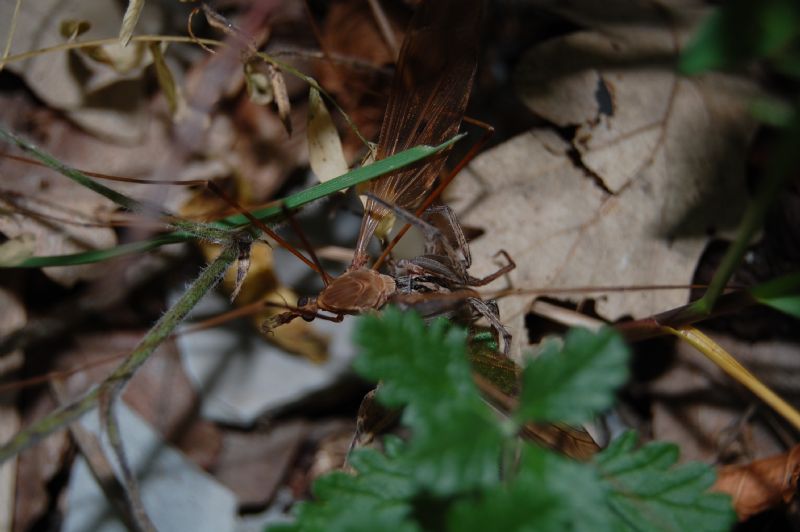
715	353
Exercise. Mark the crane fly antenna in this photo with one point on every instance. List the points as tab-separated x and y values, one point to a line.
216	189
488	131
306	244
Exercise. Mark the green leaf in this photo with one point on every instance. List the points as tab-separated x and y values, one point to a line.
572	383
742	30
376	498
647	493
457	442
782	294
548	493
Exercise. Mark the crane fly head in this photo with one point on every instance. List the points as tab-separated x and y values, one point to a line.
307	307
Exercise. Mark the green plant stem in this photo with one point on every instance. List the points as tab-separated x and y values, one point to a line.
779	169
692	313
115	382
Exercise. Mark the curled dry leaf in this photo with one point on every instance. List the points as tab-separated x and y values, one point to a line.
630	198
172	92
762	484
281	97
325	152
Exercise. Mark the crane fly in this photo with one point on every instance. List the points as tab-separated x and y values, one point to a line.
428	98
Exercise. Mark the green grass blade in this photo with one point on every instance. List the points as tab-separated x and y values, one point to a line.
352	178
99	255
344	181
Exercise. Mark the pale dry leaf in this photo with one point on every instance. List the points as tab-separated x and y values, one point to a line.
129	20
84	88
630	198
325	152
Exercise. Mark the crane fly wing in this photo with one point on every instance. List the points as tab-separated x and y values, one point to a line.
429	94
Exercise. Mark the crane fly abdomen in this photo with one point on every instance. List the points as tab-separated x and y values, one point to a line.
429	95
356	291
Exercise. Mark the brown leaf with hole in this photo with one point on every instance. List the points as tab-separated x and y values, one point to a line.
631	197
762	484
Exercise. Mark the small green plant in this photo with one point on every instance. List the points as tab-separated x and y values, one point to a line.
464	468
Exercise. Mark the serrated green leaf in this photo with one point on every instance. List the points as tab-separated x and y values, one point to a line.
418	364
457	453
376	498
548	493
456	444
647	493
742	30
572	383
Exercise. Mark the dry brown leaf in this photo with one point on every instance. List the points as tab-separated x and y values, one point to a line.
762	484
325	152
653	175
350	30
253	464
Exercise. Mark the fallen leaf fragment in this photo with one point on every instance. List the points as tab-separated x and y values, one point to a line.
762	484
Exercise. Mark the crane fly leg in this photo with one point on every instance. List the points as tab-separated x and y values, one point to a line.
482	281
489	311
